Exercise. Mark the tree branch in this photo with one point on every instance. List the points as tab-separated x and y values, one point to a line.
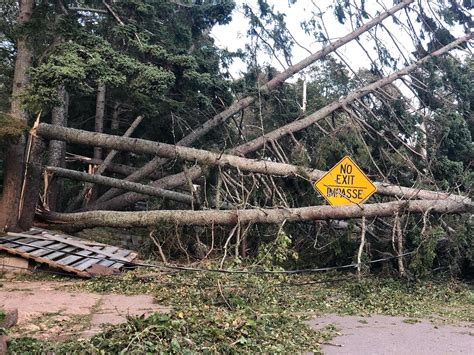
121	184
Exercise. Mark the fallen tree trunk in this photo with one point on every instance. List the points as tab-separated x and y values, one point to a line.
210	158
268	216
121	184
245	102
313	118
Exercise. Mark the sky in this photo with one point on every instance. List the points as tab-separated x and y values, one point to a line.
234	35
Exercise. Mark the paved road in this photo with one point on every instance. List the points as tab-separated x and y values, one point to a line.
396	335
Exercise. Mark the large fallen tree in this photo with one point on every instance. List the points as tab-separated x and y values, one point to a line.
205	157
124	200
268	216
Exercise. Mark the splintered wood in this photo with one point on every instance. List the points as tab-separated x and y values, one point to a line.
79	256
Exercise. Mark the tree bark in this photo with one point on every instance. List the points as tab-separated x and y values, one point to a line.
147	170
99	117
210	158
267	216
31	186
14	158
115	121
121	184
248	100
168	182
57	151
120	169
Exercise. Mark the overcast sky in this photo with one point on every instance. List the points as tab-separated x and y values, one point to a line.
234	35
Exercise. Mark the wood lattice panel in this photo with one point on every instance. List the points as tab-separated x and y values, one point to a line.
71	254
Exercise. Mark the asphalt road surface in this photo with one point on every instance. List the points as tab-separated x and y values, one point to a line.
396	335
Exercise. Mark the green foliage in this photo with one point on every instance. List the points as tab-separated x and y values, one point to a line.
269	27
11	129
277	253
421	264
83	64
160	63
451	147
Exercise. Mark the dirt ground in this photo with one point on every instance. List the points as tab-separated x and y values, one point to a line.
47	312
396	335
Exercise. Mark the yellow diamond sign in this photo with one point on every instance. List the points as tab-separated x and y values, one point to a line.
345	184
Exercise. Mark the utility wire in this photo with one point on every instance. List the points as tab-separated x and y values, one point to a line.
297	271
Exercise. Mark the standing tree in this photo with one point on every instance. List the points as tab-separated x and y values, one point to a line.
14	156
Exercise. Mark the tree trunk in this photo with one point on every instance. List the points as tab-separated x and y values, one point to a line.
99	117
57	151
147	170
121	184
247	101
268	216
210	158
14	158
307	121
31	186
115	121
168	182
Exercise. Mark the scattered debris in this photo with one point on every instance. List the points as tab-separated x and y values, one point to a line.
82	257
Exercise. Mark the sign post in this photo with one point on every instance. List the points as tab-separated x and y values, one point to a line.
345	184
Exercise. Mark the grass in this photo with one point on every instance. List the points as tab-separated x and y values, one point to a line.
216	313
